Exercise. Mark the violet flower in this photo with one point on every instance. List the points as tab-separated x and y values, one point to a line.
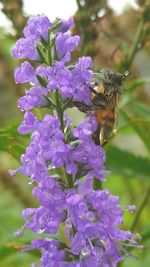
64	160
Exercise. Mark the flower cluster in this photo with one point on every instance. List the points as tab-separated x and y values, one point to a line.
61	159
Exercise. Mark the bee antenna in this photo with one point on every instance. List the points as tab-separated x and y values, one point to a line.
126	73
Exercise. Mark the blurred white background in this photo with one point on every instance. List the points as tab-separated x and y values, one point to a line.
59	8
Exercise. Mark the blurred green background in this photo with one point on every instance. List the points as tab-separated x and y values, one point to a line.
118	41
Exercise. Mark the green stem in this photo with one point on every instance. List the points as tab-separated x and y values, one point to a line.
97	184
60	117
59	110
69	180
78	4
134	48
140	209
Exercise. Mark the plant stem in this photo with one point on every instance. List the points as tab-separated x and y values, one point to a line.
59	110
60	117
78	4
140	209
134	48
69	180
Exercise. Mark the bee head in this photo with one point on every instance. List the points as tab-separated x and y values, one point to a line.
115	80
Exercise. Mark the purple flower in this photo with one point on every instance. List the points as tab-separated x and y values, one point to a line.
27	124
60	77
33	98
49	194
90	155
37	27
71	83
62	160
51	255
96	234
66	43
25	48
94	240
47	148
25	73
50	214
66	25
82	77
42	219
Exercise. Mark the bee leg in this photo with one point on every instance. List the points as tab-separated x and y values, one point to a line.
93	90
107	130
108	125
96	135
102	136
104	143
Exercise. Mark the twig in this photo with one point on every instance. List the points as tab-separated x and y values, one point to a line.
140	209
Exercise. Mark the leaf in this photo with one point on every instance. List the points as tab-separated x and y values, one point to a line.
146	234
43	41
141	127
139	108
127	164
42	80
62	235
6	251
11	141
137	82
144	132
41	52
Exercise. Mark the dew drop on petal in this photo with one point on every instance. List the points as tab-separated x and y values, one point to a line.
19	232
12	172
41	231
85	252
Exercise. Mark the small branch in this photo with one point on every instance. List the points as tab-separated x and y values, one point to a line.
78	4
60	117
134	48
140	209
59	110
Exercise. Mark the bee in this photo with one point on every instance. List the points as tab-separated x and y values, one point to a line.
106	92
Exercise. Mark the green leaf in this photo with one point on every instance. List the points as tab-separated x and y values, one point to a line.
139	108
144	132
6	252
42	80
9	144
62	235
141	127
127	164
12	142
41	52
43	41
146	234
136	83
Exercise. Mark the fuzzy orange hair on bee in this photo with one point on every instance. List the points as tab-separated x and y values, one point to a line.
106	92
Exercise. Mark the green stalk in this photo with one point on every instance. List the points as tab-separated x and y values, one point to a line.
134	48
140	209
60	117
59	110
69	180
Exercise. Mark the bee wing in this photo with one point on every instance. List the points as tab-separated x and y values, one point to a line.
98	102
82	107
